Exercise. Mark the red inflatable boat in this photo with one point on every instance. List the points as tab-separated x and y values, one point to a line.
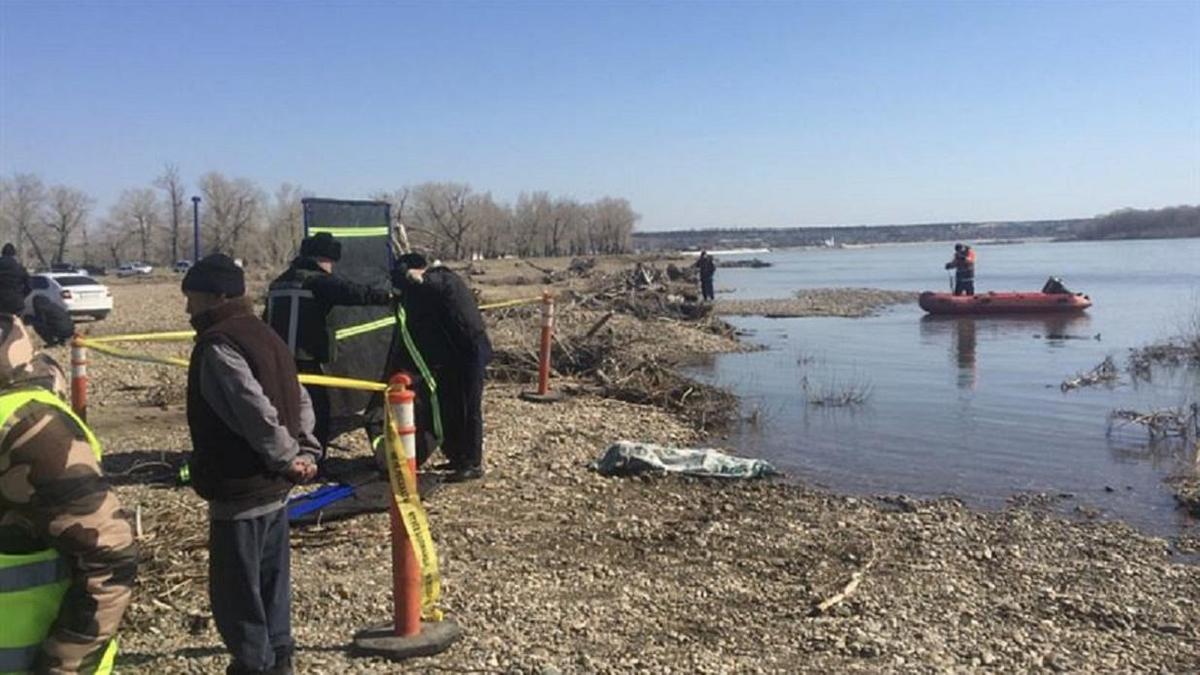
1003	303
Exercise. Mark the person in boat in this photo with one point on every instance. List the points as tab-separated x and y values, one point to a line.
963	265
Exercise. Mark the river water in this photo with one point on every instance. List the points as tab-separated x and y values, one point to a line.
970	407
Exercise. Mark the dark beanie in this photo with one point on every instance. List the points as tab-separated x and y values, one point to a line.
217	274
412	261
8	250
14	285
321	245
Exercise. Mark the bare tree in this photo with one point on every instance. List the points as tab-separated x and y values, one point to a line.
68	209
445	215
232	210
528	219
612	222
285	223
137	212
492	226
563	218
173	190
24	208
114	237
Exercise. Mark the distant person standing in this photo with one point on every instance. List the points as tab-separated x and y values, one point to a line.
963	265
708	269
298	306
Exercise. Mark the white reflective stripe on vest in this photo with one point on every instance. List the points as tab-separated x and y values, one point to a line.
295	295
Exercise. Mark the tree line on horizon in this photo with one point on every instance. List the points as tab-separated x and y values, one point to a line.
153	223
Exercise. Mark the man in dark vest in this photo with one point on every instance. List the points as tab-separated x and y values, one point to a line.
448	342
298	306
251	425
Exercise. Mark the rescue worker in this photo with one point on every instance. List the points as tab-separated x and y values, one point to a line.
708	268
441	336
68	560
298	306
251	427
963	265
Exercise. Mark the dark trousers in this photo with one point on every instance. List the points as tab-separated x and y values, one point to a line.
320	401
706	287
460	395
964	286
249	586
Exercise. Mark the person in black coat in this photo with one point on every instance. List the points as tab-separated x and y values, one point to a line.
445	326
708	269
51	321
298	306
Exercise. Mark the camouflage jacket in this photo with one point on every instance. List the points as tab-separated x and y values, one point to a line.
54	495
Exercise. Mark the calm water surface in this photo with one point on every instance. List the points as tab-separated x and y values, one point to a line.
971	407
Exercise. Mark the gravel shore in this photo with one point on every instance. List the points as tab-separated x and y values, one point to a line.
549	567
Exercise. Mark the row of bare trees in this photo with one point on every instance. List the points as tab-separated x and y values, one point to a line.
57	223
456	222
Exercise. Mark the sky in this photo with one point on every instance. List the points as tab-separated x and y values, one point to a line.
702	114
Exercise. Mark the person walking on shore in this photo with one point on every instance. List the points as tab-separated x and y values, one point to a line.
251	425
298	306
963	265
68	560
708	269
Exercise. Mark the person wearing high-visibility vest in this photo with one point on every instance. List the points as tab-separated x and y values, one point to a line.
298	306
67	554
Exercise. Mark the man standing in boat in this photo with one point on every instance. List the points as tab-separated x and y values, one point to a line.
963	265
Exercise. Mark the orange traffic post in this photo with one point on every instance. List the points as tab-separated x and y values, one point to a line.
407	636
543	393
79	377
406	572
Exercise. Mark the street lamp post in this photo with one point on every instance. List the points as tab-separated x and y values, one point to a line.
195	230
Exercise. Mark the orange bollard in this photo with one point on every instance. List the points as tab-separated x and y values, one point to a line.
547	335
543	393
407	636
79	377
406	571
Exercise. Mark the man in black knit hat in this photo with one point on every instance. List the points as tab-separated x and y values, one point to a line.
251	425
446	331
298	306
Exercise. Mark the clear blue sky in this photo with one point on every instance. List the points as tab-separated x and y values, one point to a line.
703	114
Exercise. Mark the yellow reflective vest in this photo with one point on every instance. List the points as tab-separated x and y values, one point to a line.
32	585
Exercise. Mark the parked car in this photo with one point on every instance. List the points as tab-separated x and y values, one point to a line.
131	269
64	267
95	270
182	266
80	295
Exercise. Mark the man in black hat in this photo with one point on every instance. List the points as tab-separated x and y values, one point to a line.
298	306
251	426
446	331
51	321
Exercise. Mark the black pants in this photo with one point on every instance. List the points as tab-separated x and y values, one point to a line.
964	286
320	401
706	287
460	395
249	586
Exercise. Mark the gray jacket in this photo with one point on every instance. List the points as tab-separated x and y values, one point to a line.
227	385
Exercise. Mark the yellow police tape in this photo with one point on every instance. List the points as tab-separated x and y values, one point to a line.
341	334
305	378
416	523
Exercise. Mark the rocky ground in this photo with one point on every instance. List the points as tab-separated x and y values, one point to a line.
549	567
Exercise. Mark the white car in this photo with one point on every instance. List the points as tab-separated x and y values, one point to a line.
131	269
80	295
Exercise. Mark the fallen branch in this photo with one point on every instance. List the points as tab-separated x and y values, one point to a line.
1105	372
847	590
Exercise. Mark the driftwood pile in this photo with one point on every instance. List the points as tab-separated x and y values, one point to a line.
603	359
1170	422
1105	373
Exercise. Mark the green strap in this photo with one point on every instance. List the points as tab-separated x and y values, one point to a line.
351	331
372	231
430	383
